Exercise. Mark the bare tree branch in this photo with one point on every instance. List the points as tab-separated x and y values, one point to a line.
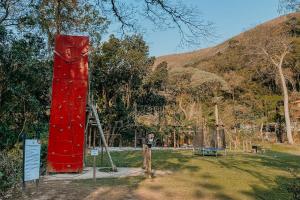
162	14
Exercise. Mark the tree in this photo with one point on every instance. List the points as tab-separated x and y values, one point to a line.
24	85
191	88
289	6
91	17
66	17
13	12
158	79
119	67
154	86
271	45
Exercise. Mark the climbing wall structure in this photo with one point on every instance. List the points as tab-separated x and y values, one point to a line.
68	105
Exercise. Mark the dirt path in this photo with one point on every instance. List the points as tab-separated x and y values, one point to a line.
122	184
68	190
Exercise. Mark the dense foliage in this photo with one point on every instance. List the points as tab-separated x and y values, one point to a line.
25	77
121	81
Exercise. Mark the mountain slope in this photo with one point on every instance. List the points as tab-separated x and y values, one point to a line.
180	60
254	86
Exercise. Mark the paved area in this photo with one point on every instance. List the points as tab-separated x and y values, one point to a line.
88	174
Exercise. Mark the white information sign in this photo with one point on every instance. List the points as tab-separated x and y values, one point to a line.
94	152
32	160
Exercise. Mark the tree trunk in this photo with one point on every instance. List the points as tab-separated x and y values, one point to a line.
181	108
217	125
58	17
286	103
261	131
174	138
192	110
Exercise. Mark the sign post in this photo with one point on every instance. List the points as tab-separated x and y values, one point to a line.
94	153
31	160
147	154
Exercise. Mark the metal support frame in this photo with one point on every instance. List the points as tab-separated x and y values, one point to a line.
94	111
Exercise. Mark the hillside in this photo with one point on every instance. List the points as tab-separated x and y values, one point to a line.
188	58
251	82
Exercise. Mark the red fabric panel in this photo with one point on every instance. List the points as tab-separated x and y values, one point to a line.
67	115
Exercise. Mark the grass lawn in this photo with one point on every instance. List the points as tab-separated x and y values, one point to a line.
235	176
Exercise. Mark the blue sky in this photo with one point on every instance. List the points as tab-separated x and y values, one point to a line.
230	17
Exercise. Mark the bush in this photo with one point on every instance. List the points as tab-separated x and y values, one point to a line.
44	151
10	173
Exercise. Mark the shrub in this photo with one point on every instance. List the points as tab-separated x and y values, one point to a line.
10	173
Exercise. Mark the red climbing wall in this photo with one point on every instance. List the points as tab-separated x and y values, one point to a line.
67	115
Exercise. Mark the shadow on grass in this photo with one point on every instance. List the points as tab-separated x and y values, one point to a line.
276	192
250	162
223	197
260	167
216	191
162	160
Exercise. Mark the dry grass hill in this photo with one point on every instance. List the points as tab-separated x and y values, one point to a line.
189	58
254	84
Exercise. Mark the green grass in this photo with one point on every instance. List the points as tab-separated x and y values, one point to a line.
162	159
235	176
